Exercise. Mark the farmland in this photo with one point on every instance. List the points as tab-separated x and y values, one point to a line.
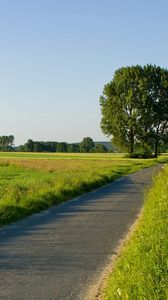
32	182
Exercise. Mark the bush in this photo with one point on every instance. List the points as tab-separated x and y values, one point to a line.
142	154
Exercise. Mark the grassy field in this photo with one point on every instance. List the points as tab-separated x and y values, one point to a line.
30	182
35	155
142	269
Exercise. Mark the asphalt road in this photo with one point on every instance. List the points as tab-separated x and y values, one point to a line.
58	254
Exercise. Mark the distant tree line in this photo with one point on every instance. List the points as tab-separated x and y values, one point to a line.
86	146
6	142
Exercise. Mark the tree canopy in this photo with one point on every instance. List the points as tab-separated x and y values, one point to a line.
134	108
86	145
6	142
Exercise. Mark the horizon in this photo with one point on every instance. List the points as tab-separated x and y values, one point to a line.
56	57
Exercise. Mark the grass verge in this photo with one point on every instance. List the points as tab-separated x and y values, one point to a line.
141	271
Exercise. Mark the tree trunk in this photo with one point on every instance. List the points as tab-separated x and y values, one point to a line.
132	141
157	141
156	149
132	147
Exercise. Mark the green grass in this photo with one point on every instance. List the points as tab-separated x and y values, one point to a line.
33	183
141	271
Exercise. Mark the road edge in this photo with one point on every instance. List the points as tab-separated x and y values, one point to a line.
96	290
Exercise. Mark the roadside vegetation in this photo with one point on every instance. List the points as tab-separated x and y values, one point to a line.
31	184
141	271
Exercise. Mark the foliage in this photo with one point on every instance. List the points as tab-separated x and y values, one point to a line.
86	145
135	108
29	146
36	146
99	148
73	148
141	270
6	142
61	147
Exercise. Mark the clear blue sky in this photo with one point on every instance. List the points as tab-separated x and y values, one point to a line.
56	56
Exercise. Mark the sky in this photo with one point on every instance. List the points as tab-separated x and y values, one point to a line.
57	55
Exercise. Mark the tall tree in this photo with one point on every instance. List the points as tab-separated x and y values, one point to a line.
86	145
154	108
6	142
119	107
29	146
11	140
135	107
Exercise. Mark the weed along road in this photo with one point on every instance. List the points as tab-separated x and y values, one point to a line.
61	253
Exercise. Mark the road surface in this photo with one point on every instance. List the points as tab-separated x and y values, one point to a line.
58	254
